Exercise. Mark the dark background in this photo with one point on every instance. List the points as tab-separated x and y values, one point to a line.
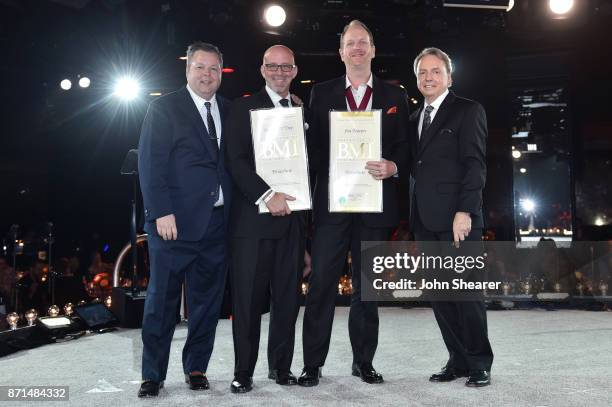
61	151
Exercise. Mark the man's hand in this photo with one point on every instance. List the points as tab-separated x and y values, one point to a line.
166	227
462	225
278	204
381	169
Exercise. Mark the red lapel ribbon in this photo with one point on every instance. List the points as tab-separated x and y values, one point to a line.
364	101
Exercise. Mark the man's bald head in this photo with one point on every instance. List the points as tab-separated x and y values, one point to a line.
279	69
275	49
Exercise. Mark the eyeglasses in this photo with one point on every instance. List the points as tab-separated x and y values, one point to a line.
283	67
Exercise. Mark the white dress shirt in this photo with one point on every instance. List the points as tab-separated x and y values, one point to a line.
216	115
436	106
275	97
359	93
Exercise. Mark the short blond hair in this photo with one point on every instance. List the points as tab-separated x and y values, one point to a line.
356	23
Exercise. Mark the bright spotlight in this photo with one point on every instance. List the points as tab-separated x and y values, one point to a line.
275	16
84	82
560	6
516	154
66	84
599	221
528	205
523	170
127	88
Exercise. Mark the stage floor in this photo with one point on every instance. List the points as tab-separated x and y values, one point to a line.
542	358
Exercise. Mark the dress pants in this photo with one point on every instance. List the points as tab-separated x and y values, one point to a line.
463	324
202	266
330	246
266	272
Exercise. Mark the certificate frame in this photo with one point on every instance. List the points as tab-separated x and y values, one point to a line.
280	154
355	137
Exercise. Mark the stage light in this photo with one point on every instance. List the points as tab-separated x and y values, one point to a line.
599	221
560	6
68	309
155	94
66	84
53	311
31	316
523	170
12	319
84	82
275	16
227	70
516	154
127	88
528	205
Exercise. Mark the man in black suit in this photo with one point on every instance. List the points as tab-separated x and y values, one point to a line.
186	192
267	250
335	234
448	146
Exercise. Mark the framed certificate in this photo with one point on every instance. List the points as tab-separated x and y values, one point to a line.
279	148
355	138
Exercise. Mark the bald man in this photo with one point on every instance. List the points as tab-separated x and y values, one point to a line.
266	250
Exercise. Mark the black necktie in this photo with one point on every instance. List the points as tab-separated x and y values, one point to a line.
426	118
212	131
284	102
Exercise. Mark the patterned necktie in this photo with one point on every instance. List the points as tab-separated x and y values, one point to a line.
426	118
212	131
284	102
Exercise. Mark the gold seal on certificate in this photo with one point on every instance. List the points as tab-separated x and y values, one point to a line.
355	138
279	149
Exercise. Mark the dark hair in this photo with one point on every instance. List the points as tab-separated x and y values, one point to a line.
357	23
203	46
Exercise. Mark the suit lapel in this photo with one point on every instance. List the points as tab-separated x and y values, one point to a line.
191	111
338	101
438	121
263	99
378	94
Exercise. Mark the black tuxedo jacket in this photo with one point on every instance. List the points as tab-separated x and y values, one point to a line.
179	170
448	164
245	219
393	102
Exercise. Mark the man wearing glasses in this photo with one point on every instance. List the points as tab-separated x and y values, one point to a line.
186	192
266	250
335	234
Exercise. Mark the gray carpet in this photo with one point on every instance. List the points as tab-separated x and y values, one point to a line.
558	358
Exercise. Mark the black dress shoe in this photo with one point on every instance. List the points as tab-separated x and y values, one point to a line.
478	378
367	373
282	377
448	374
197	381
310	376
241	384
149	388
